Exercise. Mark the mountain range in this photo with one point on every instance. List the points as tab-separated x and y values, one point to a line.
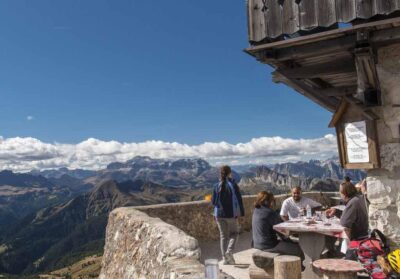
56	217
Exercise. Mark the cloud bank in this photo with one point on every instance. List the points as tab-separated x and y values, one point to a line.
25	154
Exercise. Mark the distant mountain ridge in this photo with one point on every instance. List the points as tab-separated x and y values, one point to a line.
181	173
57	173
328	169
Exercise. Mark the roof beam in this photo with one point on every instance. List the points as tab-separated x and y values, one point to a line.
339	91
316	95
328	46
319	70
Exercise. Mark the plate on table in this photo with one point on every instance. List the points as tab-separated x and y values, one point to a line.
309	222
294	221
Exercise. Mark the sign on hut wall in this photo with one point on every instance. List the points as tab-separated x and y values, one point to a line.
356	140
356	137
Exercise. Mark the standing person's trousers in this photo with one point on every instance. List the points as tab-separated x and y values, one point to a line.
229	234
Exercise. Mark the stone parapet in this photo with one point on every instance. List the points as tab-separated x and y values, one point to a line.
196	219
139	246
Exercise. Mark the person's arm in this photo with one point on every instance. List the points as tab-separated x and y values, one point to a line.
315	205
348	219
284	211
276	219
240	200
214	199
330	212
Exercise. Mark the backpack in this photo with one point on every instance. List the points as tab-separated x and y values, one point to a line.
366	252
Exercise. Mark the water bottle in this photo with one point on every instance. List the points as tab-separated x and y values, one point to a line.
309	213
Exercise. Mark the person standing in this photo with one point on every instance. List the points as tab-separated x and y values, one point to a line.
228	208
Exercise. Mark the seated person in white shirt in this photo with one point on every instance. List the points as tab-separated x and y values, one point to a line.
291	206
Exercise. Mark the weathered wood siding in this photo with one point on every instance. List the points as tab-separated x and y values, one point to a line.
269	19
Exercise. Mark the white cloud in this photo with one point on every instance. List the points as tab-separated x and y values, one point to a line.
30	118
24	154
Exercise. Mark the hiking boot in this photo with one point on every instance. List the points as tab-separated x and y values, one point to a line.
230	259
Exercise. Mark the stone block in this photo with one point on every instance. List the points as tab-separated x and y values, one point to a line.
390	152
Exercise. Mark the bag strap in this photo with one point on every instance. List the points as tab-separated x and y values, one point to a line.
382	237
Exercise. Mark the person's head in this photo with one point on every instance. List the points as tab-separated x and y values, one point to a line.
265	198
296	193
347	191
347	179
225	172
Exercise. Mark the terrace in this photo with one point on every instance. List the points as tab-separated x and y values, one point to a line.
160	240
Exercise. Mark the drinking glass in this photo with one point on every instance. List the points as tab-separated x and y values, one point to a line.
323	217
302	211
212	269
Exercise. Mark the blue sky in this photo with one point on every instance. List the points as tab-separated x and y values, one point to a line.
86	83
140	70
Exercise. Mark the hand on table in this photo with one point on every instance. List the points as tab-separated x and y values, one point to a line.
330	212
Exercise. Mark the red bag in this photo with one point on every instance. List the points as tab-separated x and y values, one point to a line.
368	249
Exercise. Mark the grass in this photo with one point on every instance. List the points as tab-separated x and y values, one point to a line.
89	267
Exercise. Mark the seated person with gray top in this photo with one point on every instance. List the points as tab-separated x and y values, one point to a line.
264	236
291	206
354	217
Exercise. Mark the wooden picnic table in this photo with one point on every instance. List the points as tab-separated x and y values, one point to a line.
311	238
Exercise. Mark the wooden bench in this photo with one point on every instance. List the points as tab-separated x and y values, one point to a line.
337	268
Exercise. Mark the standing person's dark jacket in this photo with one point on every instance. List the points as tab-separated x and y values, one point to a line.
223	200
264	236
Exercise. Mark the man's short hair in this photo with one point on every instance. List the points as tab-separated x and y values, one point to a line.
348	189
347	179
296	188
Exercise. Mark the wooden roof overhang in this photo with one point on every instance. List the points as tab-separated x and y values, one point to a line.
327	67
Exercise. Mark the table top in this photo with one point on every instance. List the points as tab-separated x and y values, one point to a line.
299	225
337	265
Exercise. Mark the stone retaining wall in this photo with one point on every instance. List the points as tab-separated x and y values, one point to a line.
195	218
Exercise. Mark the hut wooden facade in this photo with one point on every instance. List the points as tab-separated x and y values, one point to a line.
345	56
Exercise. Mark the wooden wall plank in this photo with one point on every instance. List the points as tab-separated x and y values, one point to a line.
274	18
364	8
308	14
257	25
345	10
290	14
382	7
326	13
396	4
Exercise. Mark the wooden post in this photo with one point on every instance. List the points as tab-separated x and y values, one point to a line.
287	267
